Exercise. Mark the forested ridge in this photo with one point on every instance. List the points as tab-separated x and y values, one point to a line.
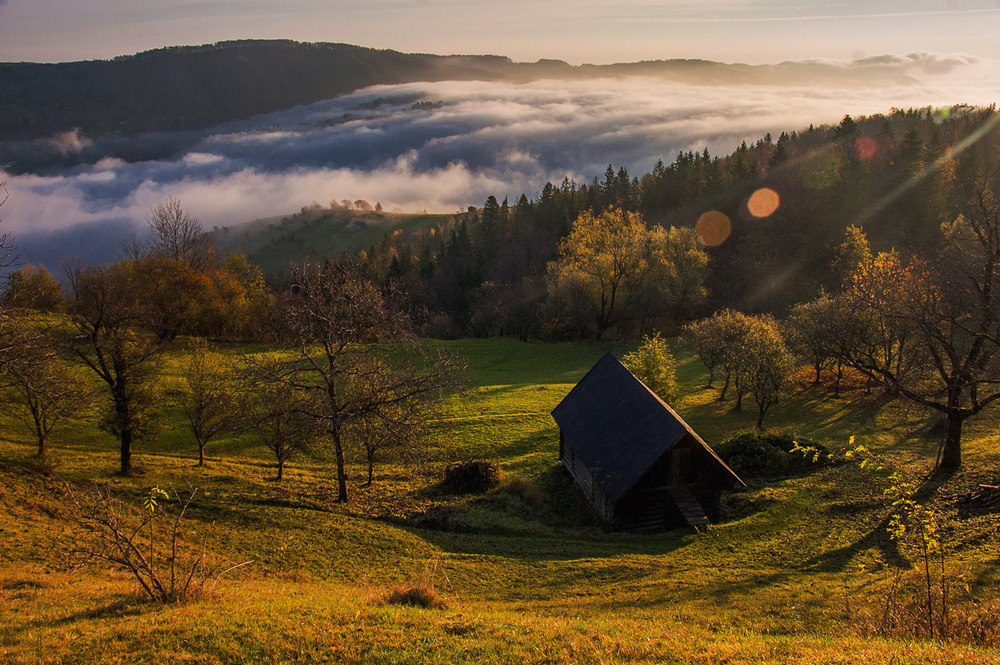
190	87
900	176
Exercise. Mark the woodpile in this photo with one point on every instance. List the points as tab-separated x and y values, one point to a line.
982	499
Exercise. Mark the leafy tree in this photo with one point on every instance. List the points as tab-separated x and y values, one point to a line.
32	288
810	334
678	269
766	368
114	343
41	389
209	404
948	308
654	365
705	336
600	264
752	352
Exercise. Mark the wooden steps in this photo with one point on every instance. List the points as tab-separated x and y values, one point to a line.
689	507
651	513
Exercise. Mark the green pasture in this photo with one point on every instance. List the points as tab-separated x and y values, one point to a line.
525	572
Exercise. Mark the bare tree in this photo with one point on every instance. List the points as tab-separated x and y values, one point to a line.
177	235
6	240
355	355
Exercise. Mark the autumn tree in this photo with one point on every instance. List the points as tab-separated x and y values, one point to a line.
810	334
766	367
32	288
600	264
705	336
752	352
114	342
354	354
678	270
825	331
948	307
280	418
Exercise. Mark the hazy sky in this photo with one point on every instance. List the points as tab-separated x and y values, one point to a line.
596	31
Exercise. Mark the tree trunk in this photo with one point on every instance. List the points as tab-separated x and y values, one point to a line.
281	467
725	387
951	450
338	447
760	417
126	454
201	453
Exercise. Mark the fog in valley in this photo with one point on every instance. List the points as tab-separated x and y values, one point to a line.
438	147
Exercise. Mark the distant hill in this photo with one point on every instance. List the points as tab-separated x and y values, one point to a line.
190	87
319	233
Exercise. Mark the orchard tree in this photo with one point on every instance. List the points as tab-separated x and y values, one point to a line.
810	334
113	341
354	355
209	404
766	369
948	308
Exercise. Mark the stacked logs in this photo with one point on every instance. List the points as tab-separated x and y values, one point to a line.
982	499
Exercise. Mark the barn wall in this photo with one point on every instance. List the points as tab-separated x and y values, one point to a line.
584	481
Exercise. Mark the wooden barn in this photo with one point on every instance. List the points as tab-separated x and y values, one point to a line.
637	462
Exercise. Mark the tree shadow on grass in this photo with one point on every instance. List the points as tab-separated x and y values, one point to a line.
131	605
878	537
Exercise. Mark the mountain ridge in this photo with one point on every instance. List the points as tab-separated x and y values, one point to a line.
193	87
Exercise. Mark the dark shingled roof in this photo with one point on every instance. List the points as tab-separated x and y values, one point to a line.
618	427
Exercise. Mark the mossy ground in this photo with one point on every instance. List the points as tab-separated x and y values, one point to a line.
525	576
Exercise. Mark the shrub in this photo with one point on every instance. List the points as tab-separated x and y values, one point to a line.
768	455
471	477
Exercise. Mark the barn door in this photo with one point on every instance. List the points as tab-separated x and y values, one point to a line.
678	462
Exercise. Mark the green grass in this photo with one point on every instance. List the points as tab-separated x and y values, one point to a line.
780	580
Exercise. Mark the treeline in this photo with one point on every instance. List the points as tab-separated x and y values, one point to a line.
767	217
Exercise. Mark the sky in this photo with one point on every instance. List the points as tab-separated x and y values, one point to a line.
594	31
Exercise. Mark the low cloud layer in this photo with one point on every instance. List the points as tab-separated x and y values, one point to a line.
434	146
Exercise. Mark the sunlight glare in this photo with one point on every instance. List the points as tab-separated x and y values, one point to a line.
763	202
865	148
713	228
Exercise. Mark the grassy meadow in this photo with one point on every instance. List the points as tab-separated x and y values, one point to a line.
796	573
